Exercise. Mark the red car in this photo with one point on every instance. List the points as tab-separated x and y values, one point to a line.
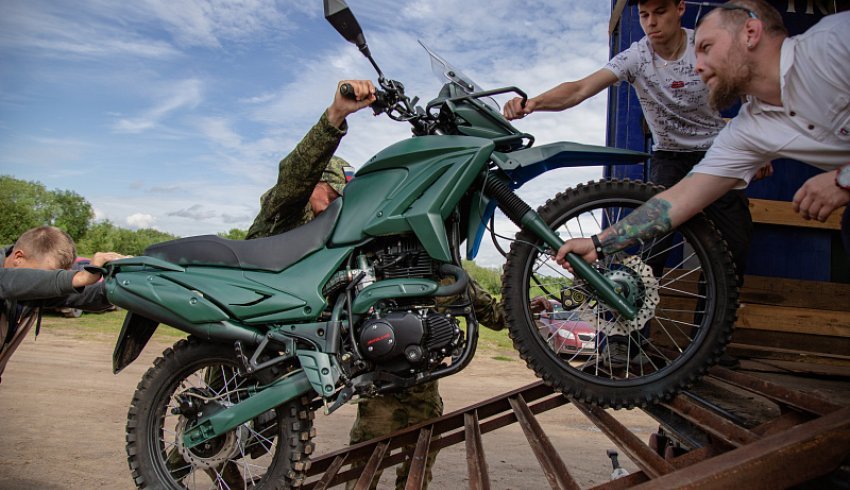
566	333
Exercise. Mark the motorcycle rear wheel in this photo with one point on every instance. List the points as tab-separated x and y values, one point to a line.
269	452
671	347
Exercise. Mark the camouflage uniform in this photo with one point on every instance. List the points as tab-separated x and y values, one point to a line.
378	417
286	206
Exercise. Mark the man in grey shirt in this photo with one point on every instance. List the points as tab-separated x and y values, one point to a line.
34	274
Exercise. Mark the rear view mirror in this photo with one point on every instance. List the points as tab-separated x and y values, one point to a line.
342	19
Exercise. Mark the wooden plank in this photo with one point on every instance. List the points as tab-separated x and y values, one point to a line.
372	467
808	321
550	461
797	320
795	292
645	458
479	479
818	344
416	476
331	473
770	212
781	460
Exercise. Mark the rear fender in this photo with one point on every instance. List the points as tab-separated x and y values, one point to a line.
135	334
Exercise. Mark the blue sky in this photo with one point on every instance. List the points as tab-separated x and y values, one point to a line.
174	114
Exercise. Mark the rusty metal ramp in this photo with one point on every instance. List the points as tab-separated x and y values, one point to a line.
733	430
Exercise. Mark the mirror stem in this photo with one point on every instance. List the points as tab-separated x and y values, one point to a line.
365	51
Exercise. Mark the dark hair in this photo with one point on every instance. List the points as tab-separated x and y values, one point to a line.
48	242
736	13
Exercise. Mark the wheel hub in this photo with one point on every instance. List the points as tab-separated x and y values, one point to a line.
635	281
214	453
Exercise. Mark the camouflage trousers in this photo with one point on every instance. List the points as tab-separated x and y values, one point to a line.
388	413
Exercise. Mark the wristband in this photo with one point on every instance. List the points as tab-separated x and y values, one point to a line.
598	246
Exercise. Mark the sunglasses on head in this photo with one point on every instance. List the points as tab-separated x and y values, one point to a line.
725	6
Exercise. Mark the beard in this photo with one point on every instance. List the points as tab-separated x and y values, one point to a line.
731	81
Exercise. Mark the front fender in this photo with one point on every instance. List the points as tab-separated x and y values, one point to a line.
524	165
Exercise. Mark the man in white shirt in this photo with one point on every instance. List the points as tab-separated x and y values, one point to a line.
798	106
674	100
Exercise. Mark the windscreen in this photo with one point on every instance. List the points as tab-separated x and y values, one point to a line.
447	73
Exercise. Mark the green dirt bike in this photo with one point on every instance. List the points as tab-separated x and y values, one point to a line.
370	297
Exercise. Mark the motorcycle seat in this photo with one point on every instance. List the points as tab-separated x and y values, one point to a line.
267	254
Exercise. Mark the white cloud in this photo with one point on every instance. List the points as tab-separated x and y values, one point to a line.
48	29
203	98
140	220
179	95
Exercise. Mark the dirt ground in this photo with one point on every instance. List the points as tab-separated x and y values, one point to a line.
62	417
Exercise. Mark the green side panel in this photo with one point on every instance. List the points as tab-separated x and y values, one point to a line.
303	281
422	179
391	288
482	121
242	297
181	301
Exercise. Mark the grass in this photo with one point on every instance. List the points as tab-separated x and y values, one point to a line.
97	325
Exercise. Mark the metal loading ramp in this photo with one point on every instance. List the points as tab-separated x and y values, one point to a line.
732	430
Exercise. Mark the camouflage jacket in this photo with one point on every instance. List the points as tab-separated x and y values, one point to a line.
286	205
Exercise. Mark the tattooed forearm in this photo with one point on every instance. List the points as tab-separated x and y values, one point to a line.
649	220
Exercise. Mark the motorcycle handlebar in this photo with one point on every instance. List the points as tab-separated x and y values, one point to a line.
382	99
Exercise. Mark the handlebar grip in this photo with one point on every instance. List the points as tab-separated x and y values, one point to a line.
347	91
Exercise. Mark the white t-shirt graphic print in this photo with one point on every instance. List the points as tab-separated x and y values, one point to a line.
673	97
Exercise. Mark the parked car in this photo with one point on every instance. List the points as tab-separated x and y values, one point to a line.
567	333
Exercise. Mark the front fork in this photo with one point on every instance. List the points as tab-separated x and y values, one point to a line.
523	216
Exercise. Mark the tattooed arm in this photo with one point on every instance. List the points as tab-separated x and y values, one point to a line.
659	215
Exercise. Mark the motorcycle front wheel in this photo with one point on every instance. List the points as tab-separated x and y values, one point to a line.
269	452
684	284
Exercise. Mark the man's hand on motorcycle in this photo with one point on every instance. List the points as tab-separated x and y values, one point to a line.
85	278
342	106
583	247
514	109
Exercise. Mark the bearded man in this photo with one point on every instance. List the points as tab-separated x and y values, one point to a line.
797	107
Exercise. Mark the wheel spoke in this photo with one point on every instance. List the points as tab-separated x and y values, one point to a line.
684	298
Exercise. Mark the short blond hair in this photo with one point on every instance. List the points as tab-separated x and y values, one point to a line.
735	13
48	242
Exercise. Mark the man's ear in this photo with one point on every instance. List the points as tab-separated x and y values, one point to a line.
753	29
16	257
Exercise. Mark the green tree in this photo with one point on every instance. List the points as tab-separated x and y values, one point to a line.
234	234
105	236
489	279
22	206
25	205
71	212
